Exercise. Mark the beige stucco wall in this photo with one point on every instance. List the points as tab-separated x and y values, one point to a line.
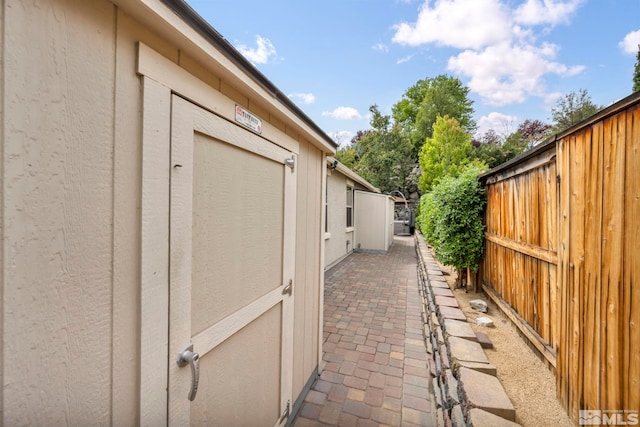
337	233
70	213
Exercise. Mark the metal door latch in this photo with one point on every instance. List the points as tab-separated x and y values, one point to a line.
290	162
286	411
188	357
289	288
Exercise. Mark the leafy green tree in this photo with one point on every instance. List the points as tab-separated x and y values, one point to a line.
636	72
446	153
494	150
348	156
420	106
384	152
405	111
571	109
451	220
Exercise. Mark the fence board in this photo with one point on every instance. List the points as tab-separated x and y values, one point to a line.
631	311
612	253
593	262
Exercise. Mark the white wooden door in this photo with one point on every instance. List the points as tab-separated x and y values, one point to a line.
232	237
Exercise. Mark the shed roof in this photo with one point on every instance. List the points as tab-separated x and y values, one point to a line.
197	24
331	161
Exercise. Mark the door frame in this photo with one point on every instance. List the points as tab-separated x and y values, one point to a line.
186	119
161	78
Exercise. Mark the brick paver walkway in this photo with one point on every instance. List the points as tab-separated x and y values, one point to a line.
376	362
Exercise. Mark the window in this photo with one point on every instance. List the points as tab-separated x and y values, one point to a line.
349	206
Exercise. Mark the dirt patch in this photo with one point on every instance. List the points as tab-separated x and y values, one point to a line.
530	385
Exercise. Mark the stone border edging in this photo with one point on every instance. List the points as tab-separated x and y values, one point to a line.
466	390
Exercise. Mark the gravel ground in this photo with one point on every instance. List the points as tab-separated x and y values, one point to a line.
528	382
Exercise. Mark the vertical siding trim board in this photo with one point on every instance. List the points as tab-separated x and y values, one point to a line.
154	281
323	243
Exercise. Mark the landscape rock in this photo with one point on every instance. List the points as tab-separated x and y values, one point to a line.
485	392
465	350
456	328
451	313
442	292
479	305
484	321
435	283
485	368
478	417
457	418
446	301
452	388
484	340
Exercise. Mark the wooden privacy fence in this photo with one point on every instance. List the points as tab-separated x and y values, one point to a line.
562	256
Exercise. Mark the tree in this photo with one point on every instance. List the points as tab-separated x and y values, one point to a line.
384	152
422	103
534	132
636	72
450	218
347	156
494	150
571	109
444	154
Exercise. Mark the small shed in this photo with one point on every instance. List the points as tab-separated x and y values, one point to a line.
357	215
161	198
374	221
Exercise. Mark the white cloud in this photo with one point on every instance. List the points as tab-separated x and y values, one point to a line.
306	98
500	54
343	113
506	73
260	54
380	47
630	42
502	124
540	12
457	23
404	59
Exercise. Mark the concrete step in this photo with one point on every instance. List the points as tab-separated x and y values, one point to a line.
442	292
442	284
446	301
466	351
480	418
452	313
485	392
485	368
484	340
456	328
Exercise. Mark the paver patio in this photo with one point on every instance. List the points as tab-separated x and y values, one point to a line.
376	371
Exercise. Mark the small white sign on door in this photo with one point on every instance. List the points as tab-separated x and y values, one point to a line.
248	119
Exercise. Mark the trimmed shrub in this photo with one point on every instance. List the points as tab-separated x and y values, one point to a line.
451	220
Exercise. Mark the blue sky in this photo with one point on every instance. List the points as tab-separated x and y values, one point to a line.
335	58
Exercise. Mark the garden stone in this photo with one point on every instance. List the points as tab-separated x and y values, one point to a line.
479	305
484	321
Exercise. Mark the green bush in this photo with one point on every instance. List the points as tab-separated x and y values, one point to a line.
451	219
